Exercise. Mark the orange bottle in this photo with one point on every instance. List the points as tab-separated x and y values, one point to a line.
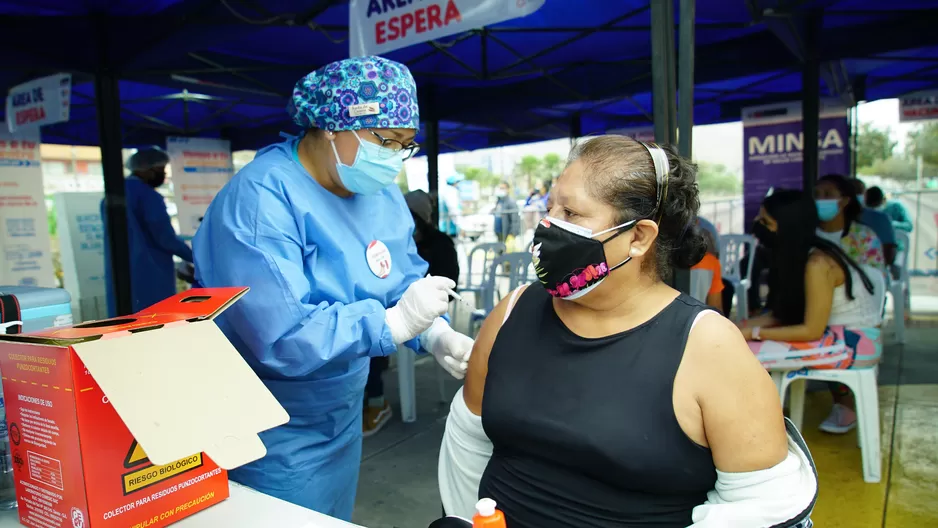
487	516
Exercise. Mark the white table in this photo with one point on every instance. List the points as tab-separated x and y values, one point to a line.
245	508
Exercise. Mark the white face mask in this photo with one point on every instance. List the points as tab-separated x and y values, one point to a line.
501	193
4	327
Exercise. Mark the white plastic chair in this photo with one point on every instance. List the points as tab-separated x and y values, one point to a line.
519	264
475	282
899	287
732	250
862	382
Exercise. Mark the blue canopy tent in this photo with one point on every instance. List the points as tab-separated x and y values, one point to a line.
238	59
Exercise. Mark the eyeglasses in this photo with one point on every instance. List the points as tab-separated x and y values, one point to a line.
408	151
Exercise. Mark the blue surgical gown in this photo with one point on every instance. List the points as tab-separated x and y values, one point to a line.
152	244
313	317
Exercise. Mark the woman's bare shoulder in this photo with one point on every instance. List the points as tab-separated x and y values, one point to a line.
479	361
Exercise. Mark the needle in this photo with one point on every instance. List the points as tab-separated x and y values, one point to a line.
459	298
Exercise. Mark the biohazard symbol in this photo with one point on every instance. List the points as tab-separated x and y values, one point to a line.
135	456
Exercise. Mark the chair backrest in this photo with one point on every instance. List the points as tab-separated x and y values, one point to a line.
700	280
879	288
490	251
518	267
732	250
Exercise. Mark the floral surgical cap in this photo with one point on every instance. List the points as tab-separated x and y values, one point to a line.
356	93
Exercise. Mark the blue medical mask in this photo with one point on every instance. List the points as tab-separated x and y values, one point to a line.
827	209
862	199
374	168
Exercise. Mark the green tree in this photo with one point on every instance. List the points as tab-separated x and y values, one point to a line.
528	169
924	142
715	178
873	145
552	164
480	174
894	168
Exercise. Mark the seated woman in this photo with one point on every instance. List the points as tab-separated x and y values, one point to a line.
611	399
816	292
839	213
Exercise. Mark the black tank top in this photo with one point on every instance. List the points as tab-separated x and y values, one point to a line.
584	430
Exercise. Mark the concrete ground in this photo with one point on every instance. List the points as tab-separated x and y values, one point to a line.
398	476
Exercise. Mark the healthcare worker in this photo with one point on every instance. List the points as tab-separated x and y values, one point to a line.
317	229
150	235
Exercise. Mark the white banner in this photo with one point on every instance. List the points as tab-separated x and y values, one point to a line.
918	106
24	226
39	102
81	245
200	168
379	26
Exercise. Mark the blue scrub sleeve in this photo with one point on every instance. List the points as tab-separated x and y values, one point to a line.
159	228
259	246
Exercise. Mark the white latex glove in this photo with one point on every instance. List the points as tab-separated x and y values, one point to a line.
450	348
422	302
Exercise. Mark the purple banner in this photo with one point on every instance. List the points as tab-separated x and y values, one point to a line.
773	146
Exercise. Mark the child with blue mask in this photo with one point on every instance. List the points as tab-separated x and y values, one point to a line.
839	214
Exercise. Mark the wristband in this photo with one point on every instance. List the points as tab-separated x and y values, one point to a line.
755	334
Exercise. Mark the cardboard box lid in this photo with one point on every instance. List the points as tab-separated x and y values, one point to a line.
183	389
195	304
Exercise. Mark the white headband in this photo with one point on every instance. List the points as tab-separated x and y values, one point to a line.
662	171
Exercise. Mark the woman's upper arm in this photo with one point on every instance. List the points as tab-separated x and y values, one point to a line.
742	414
820	279
479	360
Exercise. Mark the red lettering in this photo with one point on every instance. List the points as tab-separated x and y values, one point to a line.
452	13
433	17
407	22
379	33
420	21
421	16
30	115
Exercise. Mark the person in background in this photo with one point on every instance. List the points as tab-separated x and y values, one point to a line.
507	219
839	214
819	297
151	239
716	295
450	206
879	222
894	209
537	200
318	230
439	251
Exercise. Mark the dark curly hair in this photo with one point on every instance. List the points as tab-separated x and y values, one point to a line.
621	173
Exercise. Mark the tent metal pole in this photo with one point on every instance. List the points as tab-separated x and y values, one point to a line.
661	27
685	115
811	103
686	77
432	146
107	96
672	74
